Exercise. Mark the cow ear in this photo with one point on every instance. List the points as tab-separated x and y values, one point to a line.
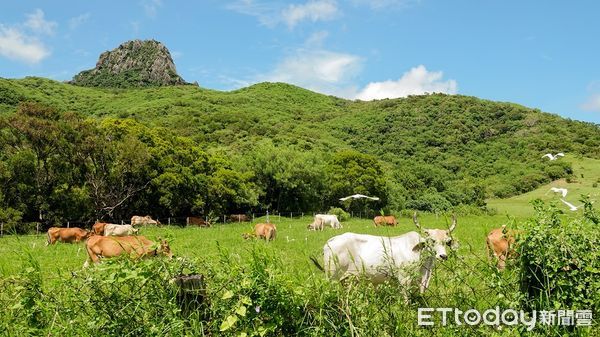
418	246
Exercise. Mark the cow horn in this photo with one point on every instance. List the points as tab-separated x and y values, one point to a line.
453	226
416	221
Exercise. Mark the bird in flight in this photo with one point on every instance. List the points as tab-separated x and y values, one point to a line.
358	196
562	191
570	205
553	157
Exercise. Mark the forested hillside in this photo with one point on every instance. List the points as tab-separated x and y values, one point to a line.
72	152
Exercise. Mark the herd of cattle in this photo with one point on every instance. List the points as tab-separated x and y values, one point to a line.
344	255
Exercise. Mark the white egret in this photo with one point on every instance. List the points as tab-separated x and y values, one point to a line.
553	157
562	191
358	196
570	205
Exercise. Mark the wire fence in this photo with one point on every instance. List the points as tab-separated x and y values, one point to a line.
197	220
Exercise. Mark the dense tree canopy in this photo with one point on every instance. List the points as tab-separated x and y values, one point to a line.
82	153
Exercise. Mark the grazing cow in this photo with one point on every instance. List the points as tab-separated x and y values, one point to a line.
136	246
196	221
98	228
500	241
265	231
239	218
111	229
68	235
143	220
381	258
322	220
388	220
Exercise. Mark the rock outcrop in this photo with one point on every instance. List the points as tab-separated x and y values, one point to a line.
134	63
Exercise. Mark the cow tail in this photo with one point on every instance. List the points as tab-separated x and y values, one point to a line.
317	264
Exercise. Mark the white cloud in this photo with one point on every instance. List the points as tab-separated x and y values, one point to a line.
592	104
37	23
151	7
271	13
314	10
316	39
17	46
381	4
416	81
77	21
319	70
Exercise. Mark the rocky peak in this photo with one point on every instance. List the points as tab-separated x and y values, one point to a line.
134	63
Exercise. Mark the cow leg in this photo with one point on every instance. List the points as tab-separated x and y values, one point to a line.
501	261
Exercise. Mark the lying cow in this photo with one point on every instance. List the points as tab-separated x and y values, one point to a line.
136	246
111	229
381	258
68	235
196	221
265	231
239	218
388	220
143	220
322	220
98	228
500	242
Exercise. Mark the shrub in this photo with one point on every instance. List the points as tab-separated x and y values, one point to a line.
560	261
341	214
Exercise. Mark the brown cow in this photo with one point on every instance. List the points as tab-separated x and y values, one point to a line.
192	220
69	235
136	246
388	220
239	218
501	243
265	231
98	228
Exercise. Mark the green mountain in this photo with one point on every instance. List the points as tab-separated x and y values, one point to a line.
283	147
134	63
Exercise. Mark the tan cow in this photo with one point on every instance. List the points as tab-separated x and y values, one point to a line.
388	220
192	220
136	246
265	231
500	241
98	228
143	220
69	235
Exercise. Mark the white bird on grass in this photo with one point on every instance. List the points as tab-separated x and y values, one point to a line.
358	196
562	191
553	157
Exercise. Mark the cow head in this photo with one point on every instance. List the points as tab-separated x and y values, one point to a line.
437	239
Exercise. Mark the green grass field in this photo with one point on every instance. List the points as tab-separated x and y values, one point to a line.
294	243
586	172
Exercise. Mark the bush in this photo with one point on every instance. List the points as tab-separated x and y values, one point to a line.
560	261
341	214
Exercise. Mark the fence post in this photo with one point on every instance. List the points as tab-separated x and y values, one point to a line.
252	217
169	221
278	216
124	222
303	214
224	218
268	216
37	228
1	229
68	224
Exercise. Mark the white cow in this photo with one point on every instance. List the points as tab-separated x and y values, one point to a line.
143	220
322	220
119	230
381	258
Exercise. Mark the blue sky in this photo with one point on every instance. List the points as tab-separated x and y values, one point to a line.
542	54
